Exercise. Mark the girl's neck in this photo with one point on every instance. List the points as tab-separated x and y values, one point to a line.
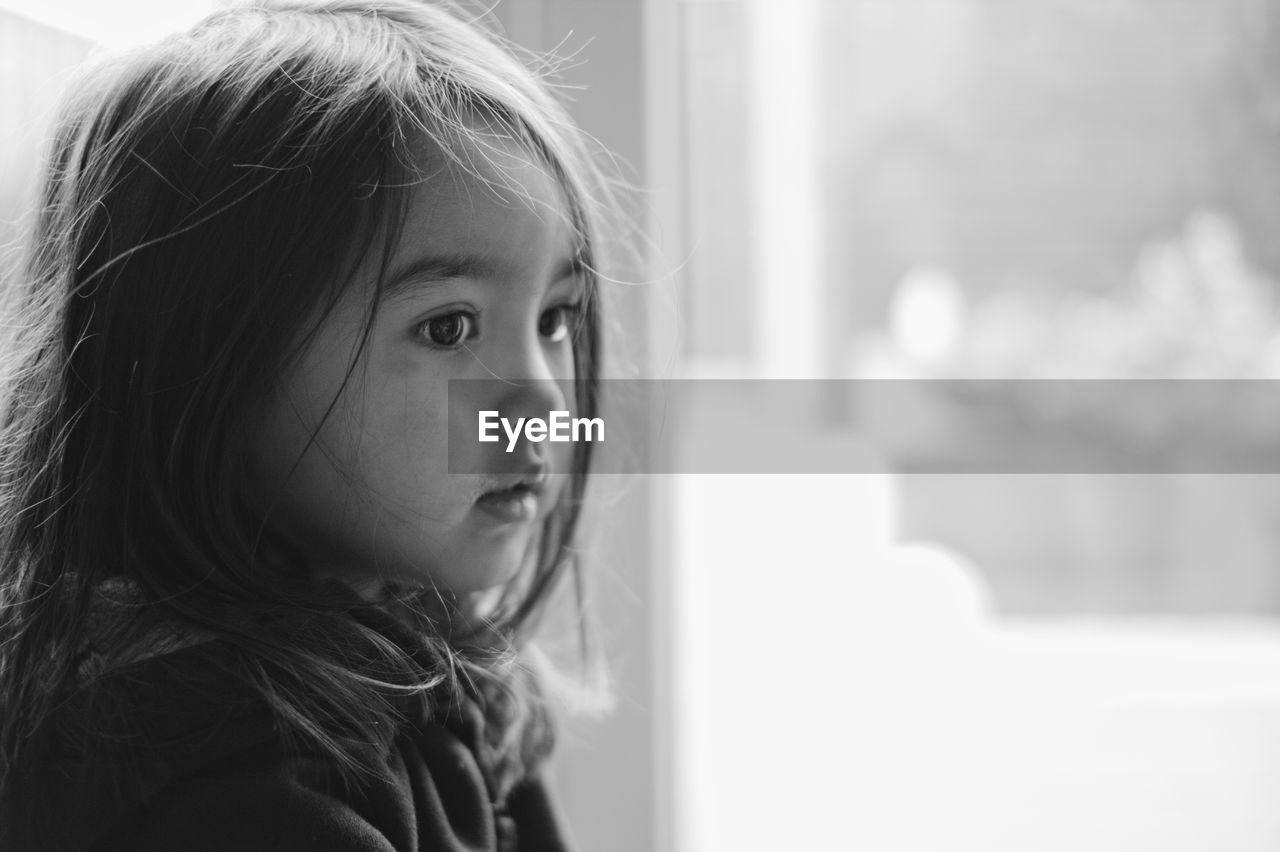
405	601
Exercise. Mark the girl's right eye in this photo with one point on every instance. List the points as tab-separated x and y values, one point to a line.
448	331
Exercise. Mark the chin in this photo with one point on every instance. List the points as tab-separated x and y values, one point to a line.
483	571
498	576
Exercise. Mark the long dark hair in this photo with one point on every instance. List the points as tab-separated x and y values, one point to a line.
205	203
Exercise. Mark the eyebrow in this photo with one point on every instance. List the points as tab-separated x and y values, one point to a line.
425	273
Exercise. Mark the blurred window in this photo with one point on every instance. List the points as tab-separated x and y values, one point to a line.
982	189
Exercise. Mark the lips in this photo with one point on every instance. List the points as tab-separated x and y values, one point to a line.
514	500
501	485
515	492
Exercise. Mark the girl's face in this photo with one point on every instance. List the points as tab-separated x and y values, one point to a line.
482	284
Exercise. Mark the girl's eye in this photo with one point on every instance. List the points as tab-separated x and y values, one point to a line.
554	322
449	331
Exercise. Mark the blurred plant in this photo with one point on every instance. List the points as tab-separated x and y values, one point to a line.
1194	308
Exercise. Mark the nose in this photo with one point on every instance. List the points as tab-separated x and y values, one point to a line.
529	386
530	397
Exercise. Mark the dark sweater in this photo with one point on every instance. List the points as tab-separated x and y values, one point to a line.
198	764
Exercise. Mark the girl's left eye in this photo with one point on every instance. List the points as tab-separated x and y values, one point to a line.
554	322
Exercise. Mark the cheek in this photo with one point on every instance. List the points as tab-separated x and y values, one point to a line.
404	405
403	440
375	470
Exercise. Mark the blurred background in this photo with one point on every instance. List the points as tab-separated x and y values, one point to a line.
911	189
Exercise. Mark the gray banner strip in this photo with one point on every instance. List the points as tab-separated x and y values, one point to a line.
873	426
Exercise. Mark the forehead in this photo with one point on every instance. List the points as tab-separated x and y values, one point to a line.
500	200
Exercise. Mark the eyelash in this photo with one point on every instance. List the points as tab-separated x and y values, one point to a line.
421	330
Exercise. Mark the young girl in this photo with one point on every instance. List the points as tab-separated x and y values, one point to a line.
245	604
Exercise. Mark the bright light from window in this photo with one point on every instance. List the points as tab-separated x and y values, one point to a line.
117	24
